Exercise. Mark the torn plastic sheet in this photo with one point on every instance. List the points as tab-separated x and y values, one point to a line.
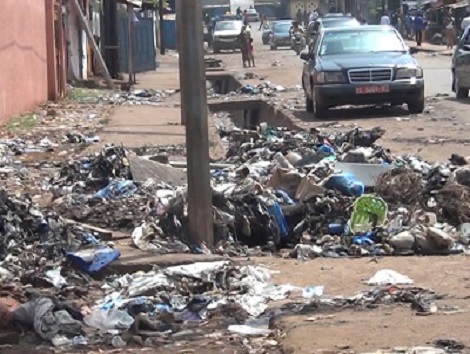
389	277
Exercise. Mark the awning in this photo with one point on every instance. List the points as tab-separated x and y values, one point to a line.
458	6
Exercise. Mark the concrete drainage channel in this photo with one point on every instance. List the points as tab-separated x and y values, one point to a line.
246	113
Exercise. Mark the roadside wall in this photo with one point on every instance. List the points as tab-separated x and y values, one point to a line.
23	55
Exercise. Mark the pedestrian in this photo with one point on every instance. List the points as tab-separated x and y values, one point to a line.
246	47
450	32
298	16
385	20
419	26
313	16
245	18
305	18
465	22
264	20
408	26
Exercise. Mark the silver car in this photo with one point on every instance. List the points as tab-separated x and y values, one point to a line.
461	66
226	35
280	35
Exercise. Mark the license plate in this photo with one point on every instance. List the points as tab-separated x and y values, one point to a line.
363	90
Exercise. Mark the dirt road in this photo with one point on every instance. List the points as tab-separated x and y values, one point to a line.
434	135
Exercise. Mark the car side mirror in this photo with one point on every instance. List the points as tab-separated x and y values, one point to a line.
413	50
306	56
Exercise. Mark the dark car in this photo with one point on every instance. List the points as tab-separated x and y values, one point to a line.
267	31
360	66
280	35
338	20
461	66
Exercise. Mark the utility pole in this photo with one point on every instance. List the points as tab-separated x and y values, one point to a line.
130	42
162	30
179	48
194	113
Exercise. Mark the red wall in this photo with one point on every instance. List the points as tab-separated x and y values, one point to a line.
23	55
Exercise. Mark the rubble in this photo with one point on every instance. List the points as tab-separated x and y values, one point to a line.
316	193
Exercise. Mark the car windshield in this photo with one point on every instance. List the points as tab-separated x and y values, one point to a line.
228	26
342	22
251	11
361	41
282	28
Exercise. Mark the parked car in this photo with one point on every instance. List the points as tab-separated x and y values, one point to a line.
267	31
280	36
225	35
461	66
360	66
334	20
252	15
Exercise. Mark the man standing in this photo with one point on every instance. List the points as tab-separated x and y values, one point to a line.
465	22
385	20
298	16
313	16
419	25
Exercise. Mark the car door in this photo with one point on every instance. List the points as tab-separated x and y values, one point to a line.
461	60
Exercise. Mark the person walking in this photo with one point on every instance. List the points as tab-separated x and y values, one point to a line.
385	20
450	32
264	20
419	26
245	18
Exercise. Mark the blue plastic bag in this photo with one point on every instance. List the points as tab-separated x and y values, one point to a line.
276	211
93	260
117	189
346	183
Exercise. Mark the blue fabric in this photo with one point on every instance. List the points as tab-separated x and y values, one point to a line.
276	211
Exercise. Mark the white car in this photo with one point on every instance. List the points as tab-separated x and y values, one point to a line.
226	35
253	15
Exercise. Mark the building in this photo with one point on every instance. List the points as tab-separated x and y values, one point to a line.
32	51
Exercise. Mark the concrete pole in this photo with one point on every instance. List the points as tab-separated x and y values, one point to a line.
194	112
180	49
130	42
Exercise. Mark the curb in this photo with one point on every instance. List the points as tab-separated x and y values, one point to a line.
434	51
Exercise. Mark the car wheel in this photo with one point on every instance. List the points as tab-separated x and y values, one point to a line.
319	110
417	105
215	50
460	92
308	103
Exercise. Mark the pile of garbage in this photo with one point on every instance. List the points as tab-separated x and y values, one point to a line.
320	194
143	308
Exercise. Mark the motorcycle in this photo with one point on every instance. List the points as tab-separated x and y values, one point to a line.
298	38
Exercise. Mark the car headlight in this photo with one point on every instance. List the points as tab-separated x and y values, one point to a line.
329	77
409	72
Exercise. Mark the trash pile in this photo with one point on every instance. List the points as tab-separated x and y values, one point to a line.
151	308
320	194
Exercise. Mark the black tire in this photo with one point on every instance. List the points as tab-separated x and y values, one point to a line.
215	50
319	110
308	104
416	106
460	92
